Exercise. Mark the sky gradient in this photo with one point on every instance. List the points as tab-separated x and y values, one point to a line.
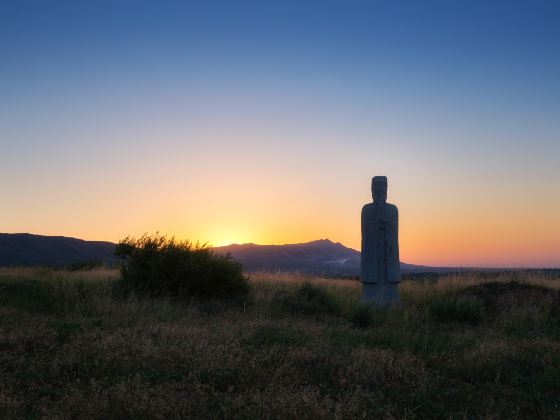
264	122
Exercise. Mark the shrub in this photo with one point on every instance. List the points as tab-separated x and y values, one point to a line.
457	309
159	266
310	299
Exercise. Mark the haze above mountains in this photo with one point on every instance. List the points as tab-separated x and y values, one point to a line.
321	256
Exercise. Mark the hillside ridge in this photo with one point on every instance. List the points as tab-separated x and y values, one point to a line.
318	256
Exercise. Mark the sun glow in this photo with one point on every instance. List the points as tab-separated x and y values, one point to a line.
225	242
228	237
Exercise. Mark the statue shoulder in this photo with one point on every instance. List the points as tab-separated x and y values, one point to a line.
392	209
367	207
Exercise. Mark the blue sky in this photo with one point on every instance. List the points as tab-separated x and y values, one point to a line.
459	100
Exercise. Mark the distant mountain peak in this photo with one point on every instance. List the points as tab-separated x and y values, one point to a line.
318	242
318	256
321	241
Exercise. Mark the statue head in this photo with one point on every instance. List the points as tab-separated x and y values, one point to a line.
379	189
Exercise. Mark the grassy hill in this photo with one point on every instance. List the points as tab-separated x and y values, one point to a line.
460	347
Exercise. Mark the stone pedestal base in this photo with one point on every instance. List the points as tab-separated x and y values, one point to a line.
383	295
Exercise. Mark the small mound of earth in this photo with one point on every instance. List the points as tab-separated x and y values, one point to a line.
498	295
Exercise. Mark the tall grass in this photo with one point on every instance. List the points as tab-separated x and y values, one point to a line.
302	347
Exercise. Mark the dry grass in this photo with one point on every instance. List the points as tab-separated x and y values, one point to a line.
68	349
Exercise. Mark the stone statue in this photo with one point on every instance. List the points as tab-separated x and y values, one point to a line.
380	264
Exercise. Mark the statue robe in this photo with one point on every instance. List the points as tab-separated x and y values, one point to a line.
380	244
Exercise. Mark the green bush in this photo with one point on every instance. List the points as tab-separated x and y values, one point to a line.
159	266
310	299
457	309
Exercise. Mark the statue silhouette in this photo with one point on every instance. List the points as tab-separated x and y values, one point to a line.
380	265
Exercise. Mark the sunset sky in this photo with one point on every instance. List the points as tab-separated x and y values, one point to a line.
264	121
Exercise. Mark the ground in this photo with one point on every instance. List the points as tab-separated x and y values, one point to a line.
461	347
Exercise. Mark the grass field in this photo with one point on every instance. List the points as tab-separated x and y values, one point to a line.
461	347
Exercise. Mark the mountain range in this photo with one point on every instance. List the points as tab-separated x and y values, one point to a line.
321	256
24	249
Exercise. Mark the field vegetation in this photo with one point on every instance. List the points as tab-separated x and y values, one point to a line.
298	347
158	266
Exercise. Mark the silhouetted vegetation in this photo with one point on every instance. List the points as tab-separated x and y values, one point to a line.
160	266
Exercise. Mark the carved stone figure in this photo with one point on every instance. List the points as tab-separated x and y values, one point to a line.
380	264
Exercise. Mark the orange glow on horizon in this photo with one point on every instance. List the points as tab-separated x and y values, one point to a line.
250	200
